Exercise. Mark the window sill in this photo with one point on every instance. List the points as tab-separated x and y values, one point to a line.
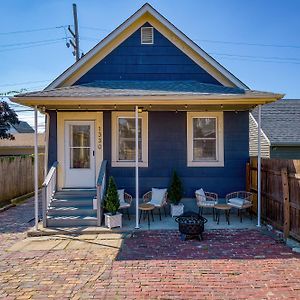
126	164
205	164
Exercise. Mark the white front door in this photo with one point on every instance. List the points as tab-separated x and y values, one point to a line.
79	154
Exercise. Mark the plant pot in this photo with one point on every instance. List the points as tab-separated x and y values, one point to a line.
112	221
177	210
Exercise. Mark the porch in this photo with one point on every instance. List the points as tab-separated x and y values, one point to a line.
166	223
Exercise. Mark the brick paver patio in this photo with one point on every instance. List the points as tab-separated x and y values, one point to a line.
237	264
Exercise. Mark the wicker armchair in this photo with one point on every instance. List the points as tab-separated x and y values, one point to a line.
208	201
242	201
148	197
126	204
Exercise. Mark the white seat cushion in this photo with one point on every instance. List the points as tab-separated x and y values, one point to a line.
158	196
207	203
121	195
239	202
201	193
124	205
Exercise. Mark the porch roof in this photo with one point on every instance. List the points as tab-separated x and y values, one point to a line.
125	92
131	88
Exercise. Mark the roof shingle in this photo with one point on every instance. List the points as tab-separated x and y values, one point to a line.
280	121
135	88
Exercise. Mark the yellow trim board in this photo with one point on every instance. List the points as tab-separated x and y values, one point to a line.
146	100
80	116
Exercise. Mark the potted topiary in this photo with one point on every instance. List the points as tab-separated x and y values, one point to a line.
112	203
175	195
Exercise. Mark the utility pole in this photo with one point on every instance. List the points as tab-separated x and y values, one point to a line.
75	35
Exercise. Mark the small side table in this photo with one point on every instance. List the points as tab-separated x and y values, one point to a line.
223	207
146	208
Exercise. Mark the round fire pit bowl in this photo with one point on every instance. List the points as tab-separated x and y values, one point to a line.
191	225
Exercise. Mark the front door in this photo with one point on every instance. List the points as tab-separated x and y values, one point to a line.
79	154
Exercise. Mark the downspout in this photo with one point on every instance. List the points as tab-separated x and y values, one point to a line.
47	131
259	168
36	165
137	168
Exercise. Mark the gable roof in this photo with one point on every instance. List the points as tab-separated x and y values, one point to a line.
129	92
280	121
23	127
131	88
146	14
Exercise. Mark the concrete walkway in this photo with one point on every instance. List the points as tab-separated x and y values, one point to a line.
228	264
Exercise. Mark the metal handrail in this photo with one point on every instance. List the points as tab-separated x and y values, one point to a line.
100	187
49	188
50	173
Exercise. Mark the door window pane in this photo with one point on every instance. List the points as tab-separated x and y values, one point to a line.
80	146
80	136
127	139
204	139
80	158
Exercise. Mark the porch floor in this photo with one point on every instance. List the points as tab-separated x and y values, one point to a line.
166	223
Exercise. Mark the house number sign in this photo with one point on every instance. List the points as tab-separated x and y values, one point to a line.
99	138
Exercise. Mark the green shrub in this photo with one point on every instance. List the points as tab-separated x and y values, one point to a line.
175	190
112	202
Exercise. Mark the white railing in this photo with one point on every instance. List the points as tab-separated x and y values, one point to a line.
49	188
101	185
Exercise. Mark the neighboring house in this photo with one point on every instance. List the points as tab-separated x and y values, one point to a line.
195	113
22	127
280	130
23	142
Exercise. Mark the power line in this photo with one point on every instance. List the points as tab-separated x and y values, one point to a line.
248	44
32	42
292	59
261	61
31	46
26	82
95	29
32	30
219	41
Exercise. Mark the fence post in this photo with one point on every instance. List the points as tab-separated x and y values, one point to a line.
248	177
286	203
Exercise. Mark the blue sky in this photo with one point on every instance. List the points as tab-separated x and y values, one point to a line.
257	40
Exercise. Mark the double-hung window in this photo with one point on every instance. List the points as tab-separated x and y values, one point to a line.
205	144
123	139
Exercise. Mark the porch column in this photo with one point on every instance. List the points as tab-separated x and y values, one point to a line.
259	168
36	164
137	167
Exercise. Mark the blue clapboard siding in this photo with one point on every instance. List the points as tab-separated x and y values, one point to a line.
133	61
168	151
52	147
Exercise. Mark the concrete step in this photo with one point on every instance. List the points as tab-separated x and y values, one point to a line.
72	203
72	211
89	193
71	221
78	196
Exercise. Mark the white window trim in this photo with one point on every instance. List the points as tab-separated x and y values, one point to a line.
152	34
220	139
114	139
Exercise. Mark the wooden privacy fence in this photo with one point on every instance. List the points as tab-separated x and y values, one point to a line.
280	193
17	176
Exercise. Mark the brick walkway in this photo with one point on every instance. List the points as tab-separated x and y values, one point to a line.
151	265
